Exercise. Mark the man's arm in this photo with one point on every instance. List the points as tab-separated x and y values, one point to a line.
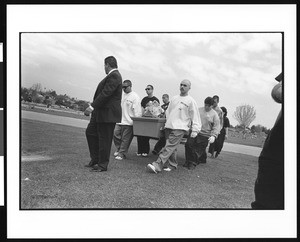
221	118
226	127
167	113
195	117
226	132
216	126
136	107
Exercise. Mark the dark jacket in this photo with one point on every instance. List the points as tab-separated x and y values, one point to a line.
107	99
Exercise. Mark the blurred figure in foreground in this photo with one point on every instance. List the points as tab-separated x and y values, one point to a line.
269	184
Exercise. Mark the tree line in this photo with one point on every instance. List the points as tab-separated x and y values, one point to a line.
37	94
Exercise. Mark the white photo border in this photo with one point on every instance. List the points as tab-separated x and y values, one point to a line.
150	223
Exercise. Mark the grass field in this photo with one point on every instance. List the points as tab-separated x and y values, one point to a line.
53	176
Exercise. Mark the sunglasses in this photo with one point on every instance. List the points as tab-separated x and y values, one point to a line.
124	87
147	89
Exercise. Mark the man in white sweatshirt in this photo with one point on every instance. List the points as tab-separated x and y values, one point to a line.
195	147
123	133
182	115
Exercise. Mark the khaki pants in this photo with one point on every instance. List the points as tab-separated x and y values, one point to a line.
169	152
123	135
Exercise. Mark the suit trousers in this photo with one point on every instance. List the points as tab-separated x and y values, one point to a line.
99	137
160	144
143	144
123	136
214	146
220	142
195	149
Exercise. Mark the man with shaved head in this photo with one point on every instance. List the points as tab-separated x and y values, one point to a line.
182	115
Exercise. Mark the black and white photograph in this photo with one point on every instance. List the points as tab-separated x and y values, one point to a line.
129	122
126	75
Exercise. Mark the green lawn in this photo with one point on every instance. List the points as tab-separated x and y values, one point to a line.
62	181
257	142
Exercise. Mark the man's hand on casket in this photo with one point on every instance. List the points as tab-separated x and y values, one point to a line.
211	139
194	134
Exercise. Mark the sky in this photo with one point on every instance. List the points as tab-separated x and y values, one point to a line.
238	67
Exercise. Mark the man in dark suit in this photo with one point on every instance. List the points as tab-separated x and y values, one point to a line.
106	112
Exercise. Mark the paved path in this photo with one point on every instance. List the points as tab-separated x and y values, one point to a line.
50	118
242	149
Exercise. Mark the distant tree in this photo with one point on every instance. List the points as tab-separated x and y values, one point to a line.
265	130
82	105
25	94
37	88
38	98
53	94
253	129
60	100
258	128
35	92
245	115
48	100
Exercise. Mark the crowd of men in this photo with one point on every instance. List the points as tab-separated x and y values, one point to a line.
110	120
115	103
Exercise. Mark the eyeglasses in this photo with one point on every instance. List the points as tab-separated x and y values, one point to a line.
147	89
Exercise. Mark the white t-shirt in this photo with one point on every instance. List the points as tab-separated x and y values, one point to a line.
131	107
183	114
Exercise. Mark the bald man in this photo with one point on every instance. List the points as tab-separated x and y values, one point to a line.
182	115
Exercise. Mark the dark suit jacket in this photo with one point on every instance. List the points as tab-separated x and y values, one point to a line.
107	99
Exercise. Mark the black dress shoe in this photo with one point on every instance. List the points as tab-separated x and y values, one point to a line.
186	164
91	164
154	152
191	167
97	169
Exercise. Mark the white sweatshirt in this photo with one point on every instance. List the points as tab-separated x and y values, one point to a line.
131	107
183	114
210	122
